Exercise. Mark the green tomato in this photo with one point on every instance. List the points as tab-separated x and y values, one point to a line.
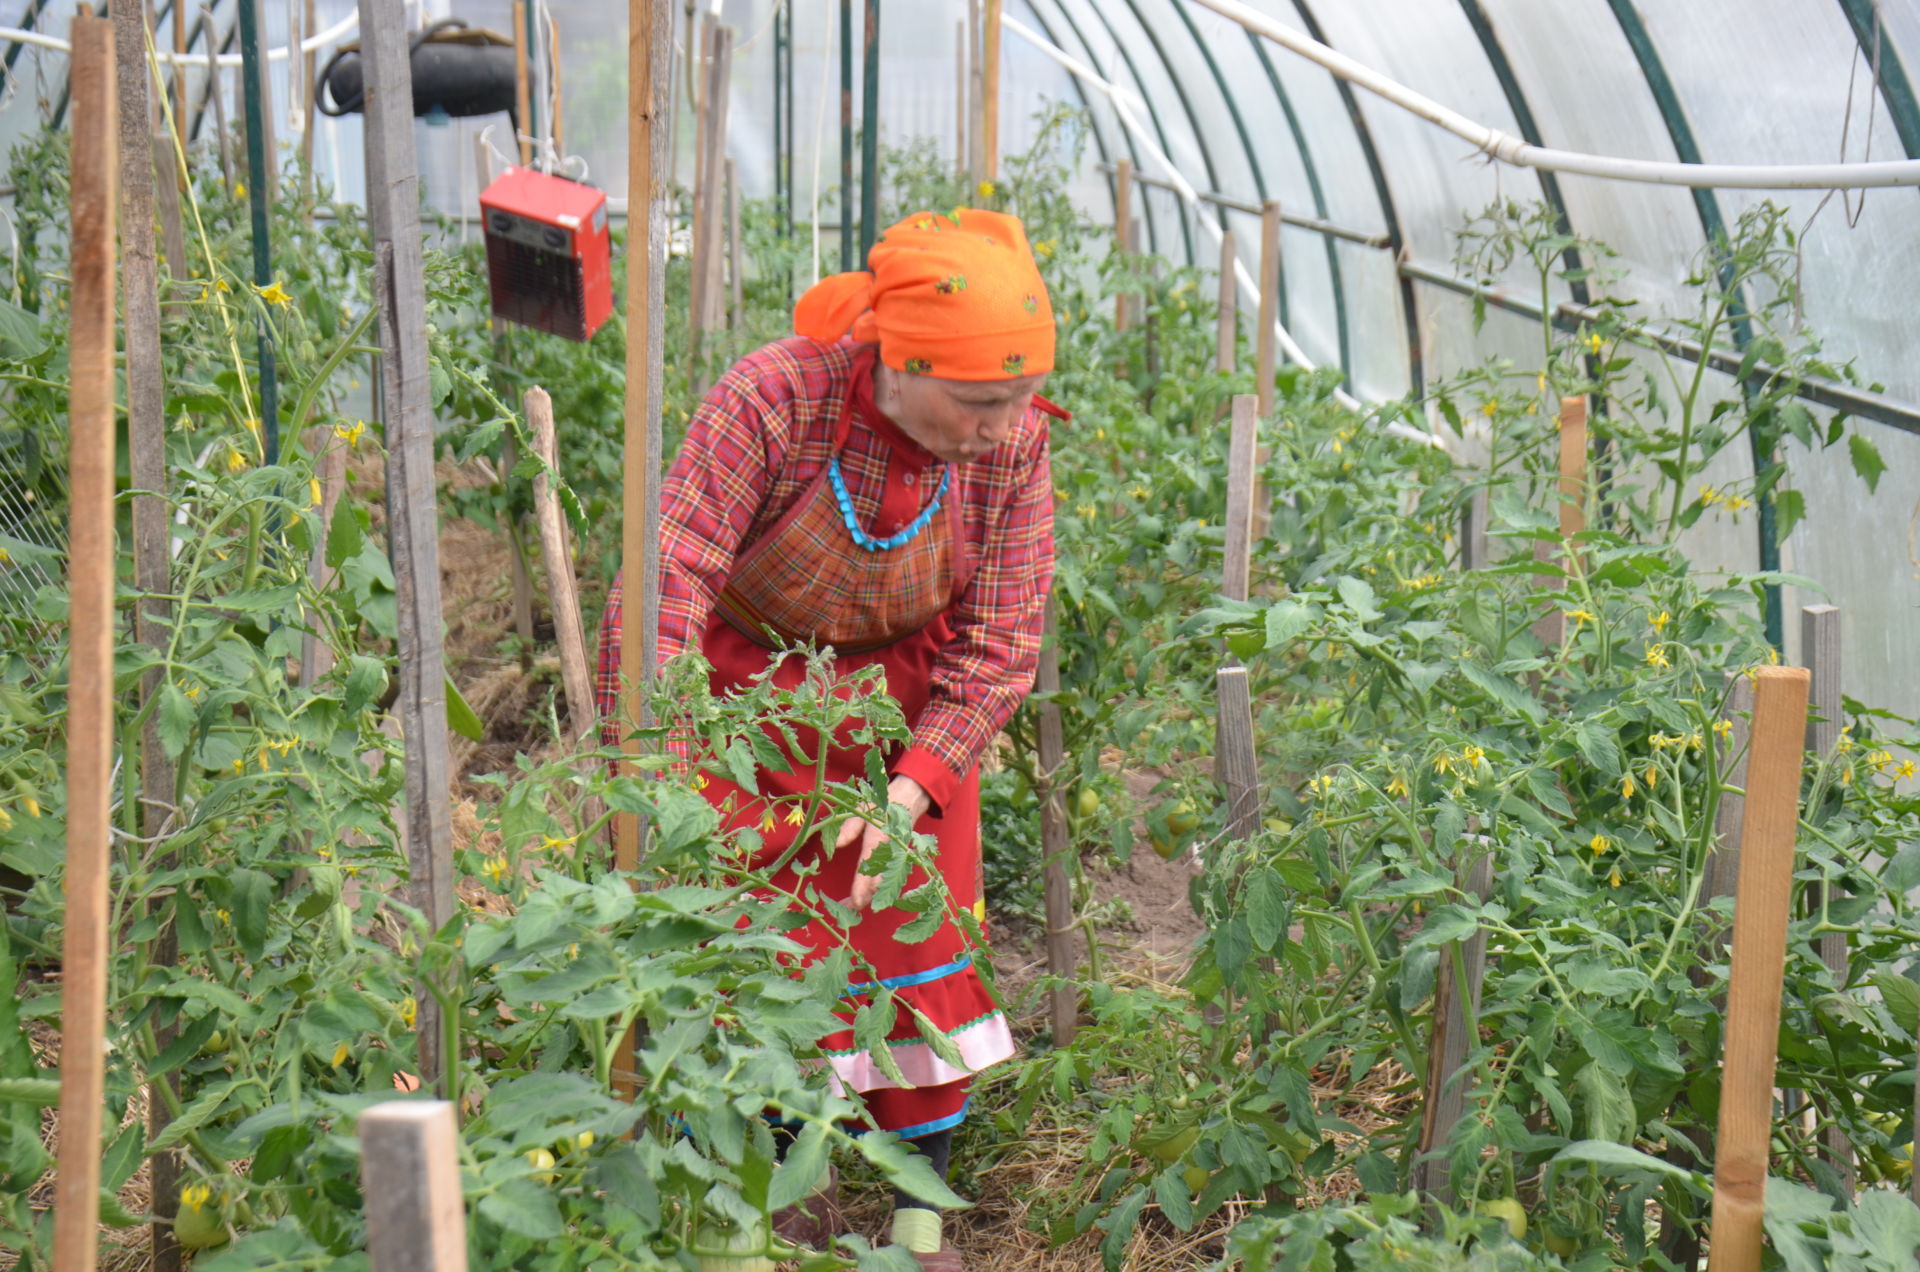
1087	803
1183	817
198	1225
1196	1177
1561	1243
1507	1210
1175	1146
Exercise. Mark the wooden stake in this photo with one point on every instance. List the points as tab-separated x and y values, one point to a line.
960	97
410	1170
1236	573
1122	231
1551	628
558	98
90	633
1446	1085
152	526
1820	651
1055	845
1768	832
990	97
309	69
736	281
700	70
522	94
1236	763
976	94
413	543
706	244
180	87
568	631
1264	344
649	81
1226	354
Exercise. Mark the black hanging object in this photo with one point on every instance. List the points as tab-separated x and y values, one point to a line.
457	72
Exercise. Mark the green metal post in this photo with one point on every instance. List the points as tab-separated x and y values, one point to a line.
257	178
847	245
870	134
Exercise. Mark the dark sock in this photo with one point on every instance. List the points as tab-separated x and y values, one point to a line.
937	1148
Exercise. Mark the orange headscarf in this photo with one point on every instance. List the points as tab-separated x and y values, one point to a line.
955	296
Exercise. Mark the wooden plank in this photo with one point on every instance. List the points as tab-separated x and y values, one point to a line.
1768	830
1452	1039
1731	754
708	202
166	195
410	1170
990	95
393	220
1227	347
522	90
1264	344
700	72
152	525
1123	232
85	959
1242	473
1570	501
649	84
1064	1000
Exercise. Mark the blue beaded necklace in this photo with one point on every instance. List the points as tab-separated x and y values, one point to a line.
860	536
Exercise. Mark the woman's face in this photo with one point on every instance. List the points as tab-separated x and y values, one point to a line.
957	420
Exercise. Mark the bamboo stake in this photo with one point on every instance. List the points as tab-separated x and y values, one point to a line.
522	94
1122	231
1551	627
147	468
410	1170
399	290
649	81
1227	344
1064	1000
706	261
1765	894
84	953
990	96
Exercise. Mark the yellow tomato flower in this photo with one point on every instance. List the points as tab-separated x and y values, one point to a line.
1724	728
409	1011
1651	777
1709	496
195	1196
1613	879
1593	343
1903	769
5	556
313	491
1660	620
1138	492
1443	763
1397	787
274	294
495	869
235	460
1599	844
340	1055
1657	657
350	434
6	820
31	804
1086	511
766	821
1489	407
1627	788
985	189
795	815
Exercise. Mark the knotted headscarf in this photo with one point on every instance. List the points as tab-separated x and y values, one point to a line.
953	295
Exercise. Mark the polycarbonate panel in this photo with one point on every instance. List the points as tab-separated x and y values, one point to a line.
1859	280
1438	181
1380	355
38	77
1586	92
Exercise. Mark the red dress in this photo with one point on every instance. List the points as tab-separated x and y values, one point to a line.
913	611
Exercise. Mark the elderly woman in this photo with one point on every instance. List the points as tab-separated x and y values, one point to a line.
878	484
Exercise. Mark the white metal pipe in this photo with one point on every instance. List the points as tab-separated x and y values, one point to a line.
1505	146
344	26
1191	196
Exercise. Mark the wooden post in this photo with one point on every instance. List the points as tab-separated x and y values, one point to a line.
1820	651
1226	354
1122	231
413	542
1054	843
309	69
649	81
1446	1088
152	526
1242	440
555	96
1264	344
1551	628
700	69
180	86
704	274
90	634
990	97
1768	832
736	281
522	94
410	1171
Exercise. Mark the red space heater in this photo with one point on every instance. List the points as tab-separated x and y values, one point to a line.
549	265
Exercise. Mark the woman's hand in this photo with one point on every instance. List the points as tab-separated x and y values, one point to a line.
901	790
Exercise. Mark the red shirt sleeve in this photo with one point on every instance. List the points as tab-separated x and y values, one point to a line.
985	671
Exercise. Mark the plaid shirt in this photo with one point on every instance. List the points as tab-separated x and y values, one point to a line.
764	432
